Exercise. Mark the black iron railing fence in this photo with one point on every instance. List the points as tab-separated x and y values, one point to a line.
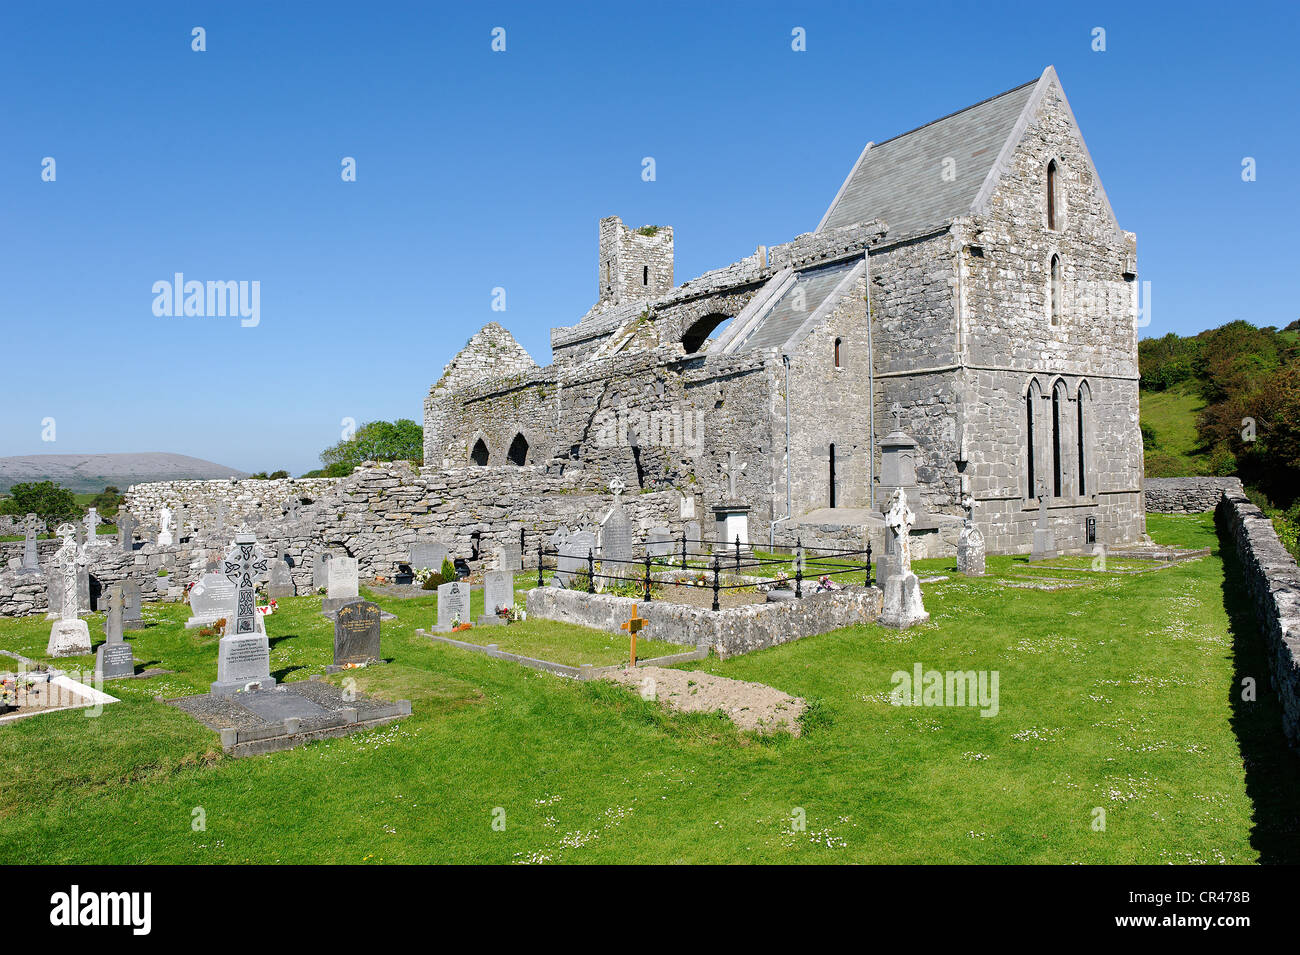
828	563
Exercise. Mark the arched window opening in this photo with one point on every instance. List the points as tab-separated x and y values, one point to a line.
645	275
518	453
697	335
838	364
480	453
1057	461
832	475
1051	195
1029	432
1082	439
1055	290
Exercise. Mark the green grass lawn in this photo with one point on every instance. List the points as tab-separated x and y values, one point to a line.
1172	414
1120	695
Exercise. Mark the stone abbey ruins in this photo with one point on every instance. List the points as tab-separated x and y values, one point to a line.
962	320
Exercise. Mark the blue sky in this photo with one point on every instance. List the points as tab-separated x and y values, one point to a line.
478	169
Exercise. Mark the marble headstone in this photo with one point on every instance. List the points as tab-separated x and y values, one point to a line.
428	555
573	556
616	544
320	567
356	632
211	599
114	658
453	605
498	594
342	584
126	524
509	557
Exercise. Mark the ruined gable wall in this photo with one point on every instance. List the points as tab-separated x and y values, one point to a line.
1010	336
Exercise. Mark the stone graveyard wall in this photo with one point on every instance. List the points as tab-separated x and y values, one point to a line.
1187	495
239	496
1273	582
21	594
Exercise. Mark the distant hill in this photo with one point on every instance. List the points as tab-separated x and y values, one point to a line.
93	472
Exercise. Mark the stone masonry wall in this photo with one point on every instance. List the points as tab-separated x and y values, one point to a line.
1273	582
1187	495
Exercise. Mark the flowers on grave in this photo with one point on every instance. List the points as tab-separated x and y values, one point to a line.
269	608
781	581
515	614
824	583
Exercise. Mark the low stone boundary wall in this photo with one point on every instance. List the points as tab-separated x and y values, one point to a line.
728	632
1273	581
1187	495
584	672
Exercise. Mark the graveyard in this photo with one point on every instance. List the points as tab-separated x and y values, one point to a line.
1111	696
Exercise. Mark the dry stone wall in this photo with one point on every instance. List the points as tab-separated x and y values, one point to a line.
1187	495
1273	581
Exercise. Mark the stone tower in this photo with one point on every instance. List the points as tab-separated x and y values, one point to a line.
635	264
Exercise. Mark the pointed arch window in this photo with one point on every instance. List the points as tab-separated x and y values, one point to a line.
1031	451
1051	196
1085	397
518	453
480	453
1059	449
1054	289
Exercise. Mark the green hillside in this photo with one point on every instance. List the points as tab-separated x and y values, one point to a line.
1169	431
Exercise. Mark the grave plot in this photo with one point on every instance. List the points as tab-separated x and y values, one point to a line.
32	689
288	715
751	706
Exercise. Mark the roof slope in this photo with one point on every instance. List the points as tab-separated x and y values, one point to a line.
901	180
806	294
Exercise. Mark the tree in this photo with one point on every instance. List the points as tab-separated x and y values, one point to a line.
108	501
400	440
53	504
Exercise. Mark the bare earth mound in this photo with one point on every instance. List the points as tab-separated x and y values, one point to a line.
751	706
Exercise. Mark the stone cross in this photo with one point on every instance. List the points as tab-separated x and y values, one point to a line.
32	525
70	557
897	411
291	508
92	520
732	471
968	503
126	530
617	486
899	519
244	563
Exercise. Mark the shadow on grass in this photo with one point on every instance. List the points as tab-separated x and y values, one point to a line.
1272	768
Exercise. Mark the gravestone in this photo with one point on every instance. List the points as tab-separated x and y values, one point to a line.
211	599
131	618
428	555
573	556
659	542
509	557
498	594
356	633
244	654
280	584
970	544
616	535
32	525
114	658
902	604
69	635
693	541
342	584
1044	545
165	527
126	524
320	566
182	521
453	605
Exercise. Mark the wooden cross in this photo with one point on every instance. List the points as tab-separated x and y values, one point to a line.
633	627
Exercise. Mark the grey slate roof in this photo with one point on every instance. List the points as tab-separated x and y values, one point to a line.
784	316
900	179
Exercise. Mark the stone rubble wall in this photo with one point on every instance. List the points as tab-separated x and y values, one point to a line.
1187	495
1273	581
246	496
